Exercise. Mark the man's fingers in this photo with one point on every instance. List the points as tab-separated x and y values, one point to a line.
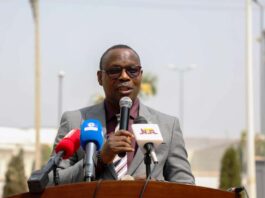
123	133
119	141
120	138
123	149
119	144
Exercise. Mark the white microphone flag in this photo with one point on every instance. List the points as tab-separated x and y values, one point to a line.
147	133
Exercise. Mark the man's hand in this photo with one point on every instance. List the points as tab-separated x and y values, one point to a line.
118	142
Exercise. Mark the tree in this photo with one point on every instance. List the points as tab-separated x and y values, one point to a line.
148	85
46	151
230	169
15	179
260	145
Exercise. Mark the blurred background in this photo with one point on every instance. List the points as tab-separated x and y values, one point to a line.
193	57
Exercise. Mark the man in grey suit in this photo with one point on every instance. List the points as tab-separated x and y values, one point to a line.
120	75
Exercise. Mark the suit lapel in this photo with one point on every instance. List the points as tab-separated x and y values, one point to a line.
98	112
138	158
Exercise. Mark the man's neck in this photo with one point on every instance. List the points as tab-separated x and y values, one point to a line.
114	107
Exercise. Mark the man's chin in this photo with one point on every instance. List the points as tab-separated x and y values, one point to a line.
127	95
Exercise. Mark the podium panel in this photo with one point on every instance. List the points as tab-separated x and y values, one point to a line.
130	189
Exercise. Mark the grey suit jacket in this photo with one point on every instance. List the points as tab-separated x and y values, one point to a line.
171	154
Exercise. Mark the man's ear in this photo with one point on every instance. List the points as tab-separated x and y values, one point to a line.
99	74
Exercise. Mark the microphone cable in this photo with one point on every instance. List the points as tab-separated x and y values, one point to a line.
97	188
147	181
56	178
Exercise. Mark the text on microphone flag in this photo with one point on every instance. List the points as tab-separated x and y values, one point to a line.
148	131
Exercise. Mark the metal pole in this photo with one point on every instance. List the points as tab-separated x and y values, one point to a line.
251	172
262	70
262	67
60	94
35	9
181	98
181	71
262	84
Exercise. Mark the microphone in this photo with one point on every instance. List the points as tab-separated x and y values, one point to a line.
65	149
91	140
69	144
147	136
125	106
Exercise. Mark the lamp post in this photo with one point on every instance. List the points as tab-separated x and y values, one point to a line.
251	169
35	10
181	71
61	75
262	66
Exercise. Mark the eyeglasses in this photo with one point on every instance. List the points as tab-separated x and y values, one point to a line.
115	72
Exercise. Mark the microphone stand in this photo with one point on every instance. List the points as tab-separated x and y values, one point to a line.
39	179
89	168
147	159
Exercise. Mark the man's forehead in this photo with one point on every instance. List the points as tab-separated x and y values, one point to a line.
121	54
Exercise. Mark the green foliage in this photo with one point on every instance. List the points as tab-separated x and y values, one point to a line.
260	146
149	85
45	153
97	98
15	179
230	169
259	143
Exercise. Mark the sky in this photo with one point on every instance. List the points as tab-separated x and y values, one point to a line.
75	33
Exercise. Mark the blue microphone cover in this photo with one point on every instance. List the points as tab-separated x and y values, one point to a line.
91	131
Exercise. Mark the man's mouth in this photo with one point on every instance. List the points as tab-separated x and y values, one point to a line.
124	90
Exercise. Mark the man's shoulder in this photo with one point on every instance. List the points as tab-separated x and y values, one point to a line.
91	107
81	112
158	114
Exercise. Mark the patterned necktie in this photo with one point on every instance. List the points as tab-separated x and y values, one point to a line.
120	164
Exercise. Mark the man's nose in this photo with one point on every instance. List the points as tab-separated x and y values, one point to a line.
124	75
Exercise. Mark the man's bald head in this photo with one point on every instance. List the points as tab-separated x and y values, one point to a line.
119	46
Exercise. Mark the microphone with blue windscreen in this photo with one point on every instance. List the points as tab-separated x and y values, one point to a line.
91	140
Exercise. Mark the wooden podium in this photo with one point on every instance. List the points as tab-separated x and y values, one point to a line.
130	189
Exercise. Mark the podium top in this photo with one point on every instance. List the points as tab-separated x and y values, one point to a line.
130	189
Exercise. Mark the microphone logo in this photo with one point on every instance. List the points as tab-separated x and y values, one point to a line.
91	126
148	131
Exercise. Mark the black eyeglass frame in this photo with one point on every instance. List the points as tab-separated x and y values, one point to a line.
120	69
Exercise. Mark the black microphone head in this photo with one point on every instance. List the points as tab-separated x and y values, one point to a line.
140	120
125	102
125	105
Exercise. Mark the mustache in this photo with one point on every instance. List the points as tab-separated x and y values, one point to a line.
124	84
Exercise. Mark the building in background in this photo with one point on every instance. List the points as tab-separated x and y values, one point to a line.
205	155
13	139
